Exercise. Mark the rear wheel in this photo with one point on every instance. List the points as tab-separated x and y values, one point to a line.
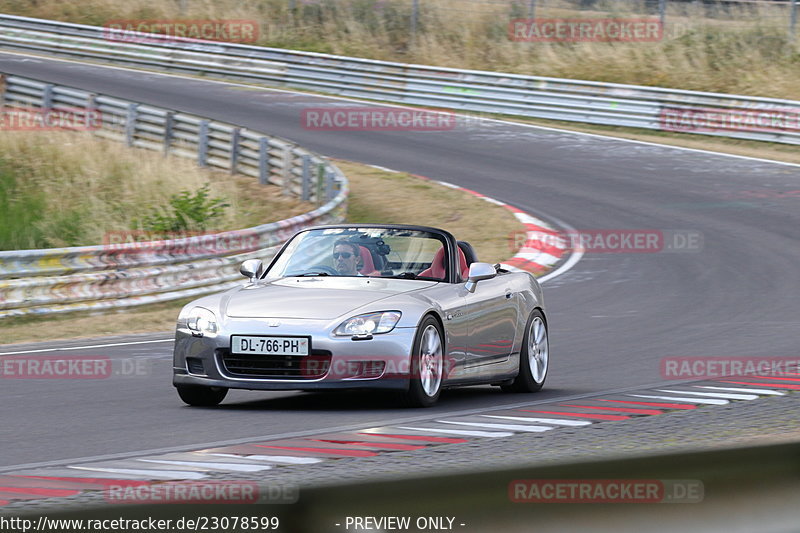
534	357
201	396
427	364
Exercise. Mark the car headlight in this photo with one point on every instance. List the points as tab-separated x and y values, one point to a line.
202	320
369	323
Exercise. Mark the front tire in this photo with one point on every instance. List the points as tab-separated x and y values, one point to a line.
534	357
427	364
198	396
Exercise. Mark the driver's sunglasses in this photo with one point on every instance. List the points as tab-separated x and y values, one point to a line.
343	255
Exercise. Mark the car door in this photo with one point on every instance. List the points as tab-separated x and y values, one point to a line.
451	298
492	312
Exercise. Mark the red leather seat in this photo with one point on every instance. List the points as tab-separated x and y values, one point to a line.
437	269
367	264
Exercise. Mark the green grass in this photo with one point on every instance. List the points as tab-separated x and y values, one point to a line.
62	189
19	213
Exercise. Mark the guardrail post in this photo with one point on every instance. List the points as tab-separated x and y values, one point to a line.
306	178
793	22
320	182
236	136
91	107
662	14
202	144
130	123
3	82
169	126
329	182
47	96
286	171
263	160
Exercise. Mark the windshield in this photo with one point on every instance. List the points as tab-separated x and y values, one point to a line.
374	252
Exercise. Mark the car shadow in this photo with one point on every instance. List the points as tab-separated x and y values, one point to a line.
459	398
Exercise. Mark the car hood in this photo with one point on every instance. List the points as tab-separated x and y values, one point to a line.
314	297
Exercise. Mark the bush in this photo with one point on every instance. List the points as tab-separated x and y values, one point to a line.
189	212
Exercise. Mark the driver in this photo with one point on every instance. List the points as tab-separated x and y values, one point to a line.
346	258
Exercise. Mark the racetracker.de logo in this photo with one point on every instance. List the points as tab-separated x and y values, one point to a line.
574	30
55	367
685	119
718	367
50	119
376	119
620	241
181	242
605	491
176	30
200	492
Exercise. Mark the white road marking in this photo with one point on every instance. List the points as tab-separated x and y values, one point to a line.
384	169
708	401
556	421
726	395
285	459
462	432
508	427
493	201
736	389
232	467
575	255
525	218
68	348
148	474
538	256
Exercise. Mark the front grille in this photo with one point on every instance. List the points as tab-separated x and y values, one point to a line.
312	366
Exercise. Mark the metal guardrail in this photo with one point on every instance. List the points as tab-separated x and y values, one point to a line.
85	278
653	108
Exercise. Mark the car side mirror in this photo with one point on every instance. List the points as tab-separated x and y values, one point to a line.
479	272
252	268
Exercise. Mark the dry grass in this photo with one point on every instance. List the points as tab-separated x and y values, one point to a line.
741	50
398	198
148	319
376	196
84	187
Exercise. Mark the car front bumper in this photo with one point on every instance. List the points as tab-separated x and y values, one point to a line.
335	362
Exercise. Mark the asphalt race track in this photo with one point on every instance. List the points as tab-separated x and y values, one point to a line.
613	316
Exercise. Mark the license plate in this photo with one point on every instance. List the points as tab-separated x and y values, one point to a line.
270	345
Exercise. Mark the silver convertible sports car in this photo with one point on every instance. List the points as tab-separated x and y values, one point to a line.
359	306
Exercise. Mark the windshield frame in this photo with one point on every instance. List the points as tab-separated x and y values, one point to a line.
447	237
